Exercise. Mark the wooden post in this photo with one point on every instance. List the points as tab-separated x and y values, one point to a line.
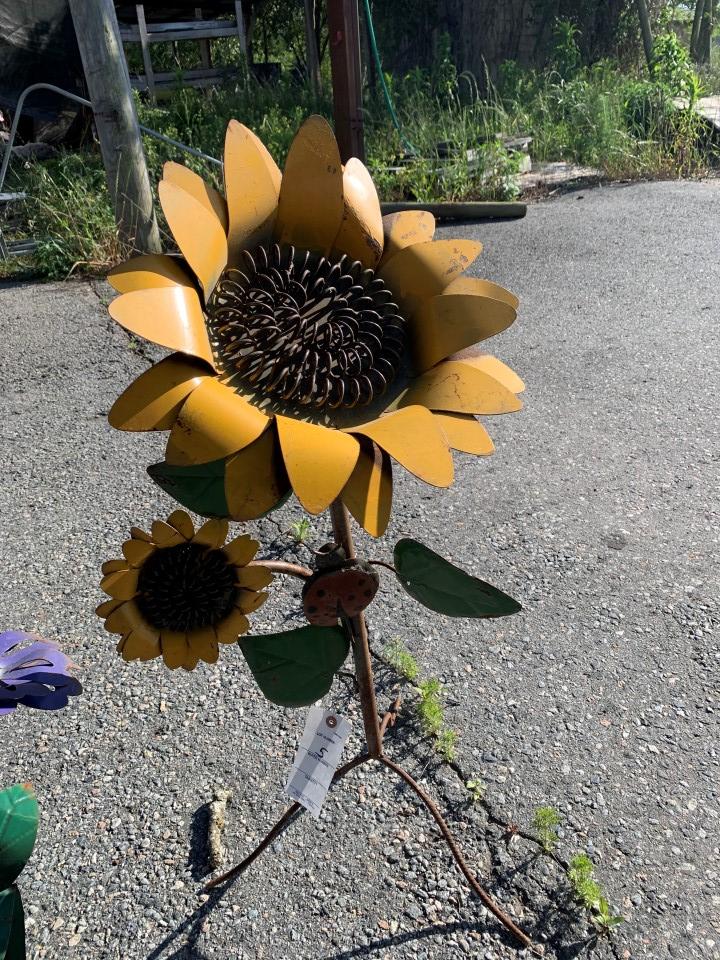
145	47
344	31
313	60
205	49
242	36
108	84
645	29
695	32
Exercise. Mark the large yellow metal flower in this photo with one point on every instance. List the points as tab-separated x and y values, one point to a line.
314	339
178	593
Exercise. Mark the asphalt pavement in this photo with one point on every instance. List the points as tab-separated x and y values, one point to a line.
599	512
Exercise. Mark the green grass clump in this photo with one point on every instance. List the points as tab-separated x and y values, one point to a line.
546	821
301	530
401	660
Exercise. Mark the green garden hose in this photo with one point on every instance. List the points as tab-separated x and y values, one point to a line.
386	93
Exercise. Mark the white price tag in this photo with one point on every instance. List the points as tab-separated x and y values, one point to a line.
317	758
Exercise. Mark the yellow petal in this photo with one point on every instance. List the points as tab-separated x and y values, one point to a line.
241	550
451	322
149	270
497	369
169	316
139	534
212	533
107	607
248	600
182	523
204	645
461	388
404	229
310	206
423	270
319	461
255	478
198	233
483	288
137	551
361	233
253	578
121	585
214	422
413	438
125	618
152	402
111	566
252	187
193	184
166	536
464	433
174	647
368	492
140	645
229	629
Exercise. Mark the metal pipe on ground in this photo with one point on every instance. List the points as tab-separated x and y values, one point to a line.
468	210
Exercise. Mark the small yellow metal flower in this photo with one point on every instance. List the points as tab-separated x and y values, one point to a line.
314	338
179	593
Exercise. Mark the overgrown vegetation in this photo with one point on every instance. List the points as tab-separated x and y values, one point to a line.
627	123
546	821
587	890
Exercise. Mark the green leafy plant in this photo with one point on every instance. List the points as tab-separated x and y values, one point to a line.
301	530
587	890
401	660
545	822
476	788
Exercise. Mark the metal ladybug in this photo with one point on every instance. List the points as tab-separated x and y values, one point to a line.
339	587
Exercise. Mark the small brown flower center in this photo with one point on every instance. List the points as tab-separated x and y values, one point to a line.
186	588
302	329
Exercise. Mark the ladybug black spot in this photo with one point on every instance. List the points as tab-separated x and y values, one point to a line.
321	593
312	609
368	593
351	597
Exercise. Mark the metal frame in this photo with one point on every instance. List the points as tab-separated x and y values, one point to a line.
6	250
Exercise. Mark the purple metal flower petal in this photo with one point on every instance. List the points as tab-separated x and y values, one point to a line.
35	675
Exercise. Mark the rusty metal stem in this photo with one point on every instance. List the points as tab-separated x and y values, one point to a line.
457	854
356	629
280	827
282	566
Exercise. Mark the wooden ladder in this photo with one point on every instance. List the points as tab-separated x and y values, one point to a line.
202	31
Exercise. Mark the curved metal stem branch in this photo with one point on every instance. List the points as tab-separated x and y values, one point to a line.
356	629
282	566
382	563
457	855
283	823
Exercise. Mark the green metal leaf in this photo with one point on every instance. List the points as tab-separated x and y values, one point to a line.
12	925
444	588
18	829
296	668
200	487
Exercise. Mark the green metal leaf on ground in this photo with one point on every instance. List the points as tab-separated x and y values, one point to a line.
12	925
18	830
296	668
200	487
444	588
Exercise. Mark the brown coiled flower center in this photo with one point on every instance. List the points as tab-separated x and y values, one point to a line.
302	329
186	588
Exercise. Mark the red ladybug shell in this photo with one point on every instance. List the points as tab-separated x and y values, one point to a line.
330	593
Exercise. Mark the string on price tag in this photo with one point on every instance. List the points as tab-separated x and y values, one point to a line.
317	758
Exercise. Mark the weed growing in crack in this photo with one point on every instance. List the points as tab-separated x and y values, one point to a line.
428	708
545	822
581	874
476	788
300	530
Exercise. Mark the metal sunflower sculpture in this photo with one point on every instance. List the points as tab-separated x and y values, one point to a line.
178	593
314	341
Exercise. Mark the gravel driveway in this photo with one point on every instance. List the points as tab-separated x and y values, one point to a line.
599	511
